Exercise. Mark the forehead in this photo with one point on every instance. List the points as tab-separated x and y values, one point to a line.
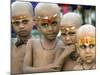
24	12
19	17
69	24
22	15
49	15
87	40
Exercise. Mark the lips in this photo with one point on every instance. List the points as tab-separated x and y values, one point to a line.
51	34
22	31
88	57
68	43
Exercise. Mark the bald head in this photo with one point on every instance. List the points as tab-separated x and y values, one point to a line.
43	9
71	18
20	8
86	30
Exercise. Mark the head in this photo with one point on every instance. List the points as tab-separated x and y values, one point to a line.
86	43
22	18
47	19
70	22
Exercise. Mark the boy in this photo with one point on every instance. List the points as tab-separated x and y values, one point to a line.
86	44
40	53
70	23
22	23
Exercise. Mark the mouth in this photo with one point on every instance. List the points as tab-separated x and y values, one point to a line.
68	43
22	31
52	34
88	57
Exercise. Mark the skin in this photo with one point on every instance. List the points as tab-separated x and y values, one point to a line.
23	30
43	58
87	46
22	23
70	23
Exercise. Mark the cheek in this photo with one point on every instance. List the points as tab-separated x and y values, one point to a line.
43	31
29	26
56	29
93	51
81	53
15	28
73	38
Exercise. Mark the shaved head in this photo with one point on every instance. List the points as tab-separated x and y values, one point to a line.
86	30
71	18
46	8
19	8
86	44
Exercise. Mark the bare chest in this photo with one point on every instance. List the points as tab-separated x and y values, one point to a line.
42	56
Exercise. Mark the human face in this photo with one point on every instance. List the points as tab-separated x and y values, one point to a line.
87	49
22	24
68	33
49	25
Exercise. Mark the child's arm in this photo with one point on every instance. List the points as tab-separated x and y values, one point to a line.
28	61
63	54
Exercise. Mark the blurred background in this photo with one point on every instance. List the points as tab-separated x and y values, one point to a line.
87	12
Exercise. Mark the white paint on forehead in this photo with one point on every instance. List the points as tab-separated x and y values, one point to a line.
71	18
86	30
45	8
19	7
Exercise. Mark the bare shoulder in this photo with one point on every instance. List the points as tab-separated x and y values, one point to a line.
13	40
59	42
59	46
33	40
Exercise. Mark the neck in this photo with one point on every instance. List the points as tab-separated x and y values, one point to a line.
48	44
48	40
88	66
25	38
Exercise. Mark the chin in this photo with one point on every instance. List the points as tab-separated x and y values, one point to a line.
51	38
23	35
89	61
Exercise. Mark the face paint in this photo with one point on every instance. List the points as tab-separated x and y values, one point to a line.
46	21
87	40
84	42
19	19
67	29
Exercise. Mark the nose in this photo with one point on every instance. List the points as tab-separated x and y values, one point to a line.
67	37
50	28
88	50
21	26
